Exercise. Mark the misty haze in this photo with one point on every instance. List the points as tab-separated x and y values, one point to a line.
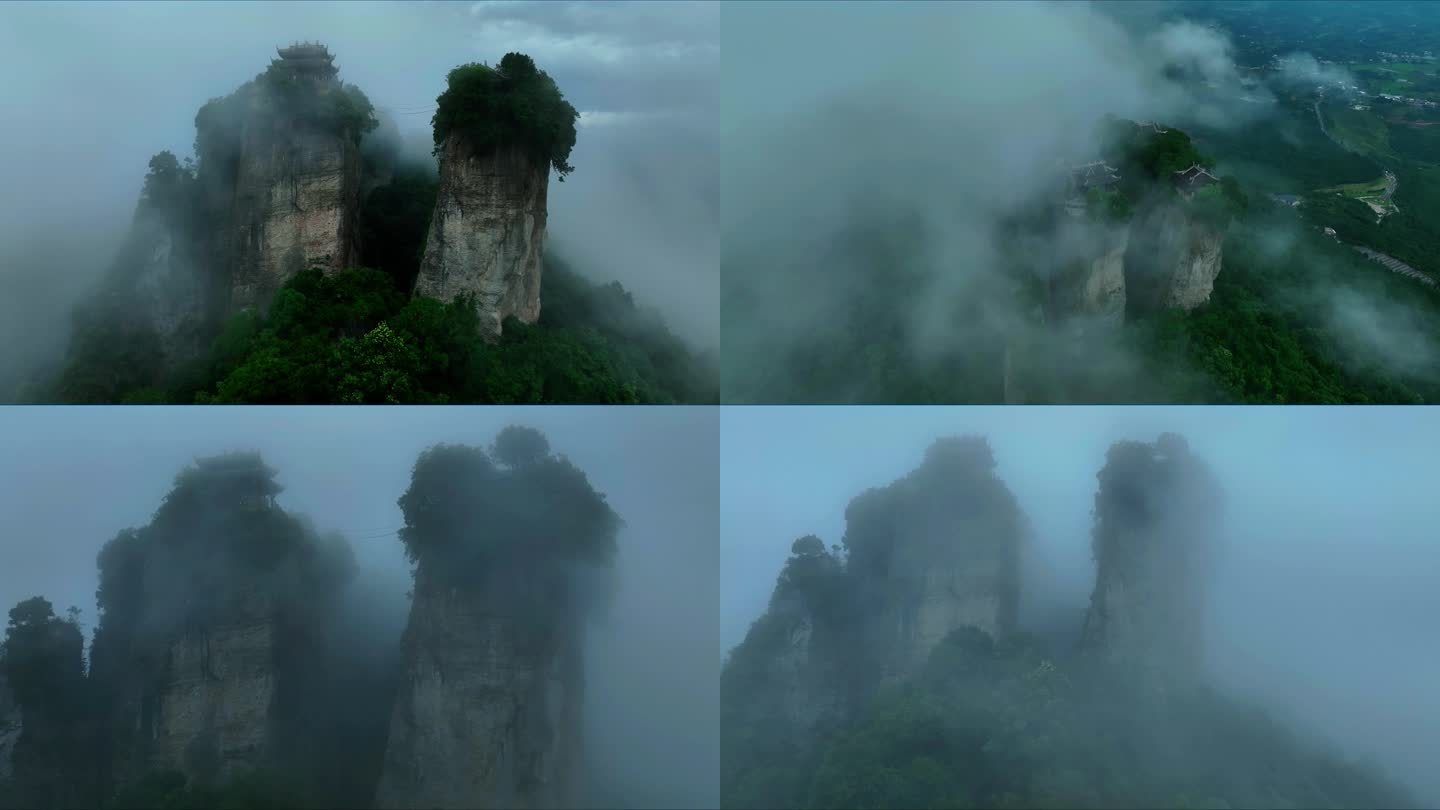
1079	607
329	607
1081	202
359	203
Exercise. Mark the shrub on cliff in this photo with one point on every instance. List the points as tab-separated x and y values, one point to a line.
339	108
1110	207
512	104
217	533
521	507
111	361
43	658
1258	341
1158	155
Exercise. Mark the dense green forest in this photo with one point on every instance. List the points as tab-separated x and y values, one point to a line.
356	338
511	103
1010	723
1294	316
824	705
360	337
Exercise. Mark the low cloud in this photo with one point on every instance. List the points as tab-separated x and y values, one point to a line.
950	117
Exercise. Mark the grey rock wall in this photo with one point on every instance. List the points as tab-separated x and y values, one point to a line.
487	235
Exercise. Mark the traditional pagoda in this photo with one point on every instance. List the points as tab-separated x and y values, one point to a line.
1097	174
1191	180
1084	177
309	59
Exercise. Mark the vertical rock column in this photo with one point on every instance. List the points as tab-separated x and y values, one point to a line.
489	708
487	235
297	203
214	709
1156	520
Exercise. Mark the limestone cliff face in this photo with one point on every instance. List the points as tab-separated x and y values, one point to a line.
1155	520
933	552
941	583
209	715
157	284
811	699
167	286
169	291
1174	260
489	708
805	666
487	235
296	206
1146	612
1092	289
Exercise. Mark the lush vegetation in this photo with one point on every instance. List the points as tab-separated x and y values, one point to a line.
224	584
993	716
340	108
355	338
1294	316
468	509
358	337
1287	324
514	104
1147	157
220	526
778	716
1110	207
42	660
276	93
218	552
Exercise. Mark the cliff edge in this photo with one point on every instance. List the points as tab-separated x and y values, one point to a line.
297	180
489	709
487	235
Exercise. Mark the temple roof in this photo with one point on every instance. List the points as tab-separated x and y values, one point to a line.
1193	177
308	57
304	50
1092	175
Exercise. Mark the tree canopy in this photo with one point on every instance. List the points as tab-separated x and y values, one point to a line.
470	508
512	104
